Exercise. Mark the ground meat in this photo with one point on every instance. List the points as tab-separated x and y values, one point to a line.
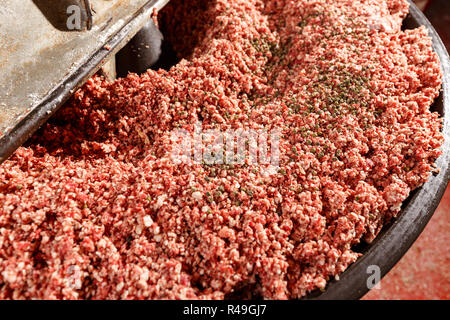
93	207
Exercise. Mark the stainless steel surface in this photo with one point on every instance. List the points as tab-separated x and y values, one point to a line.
37	57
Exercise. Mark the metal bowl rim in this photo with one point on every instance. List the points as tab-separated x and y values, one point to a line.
390	246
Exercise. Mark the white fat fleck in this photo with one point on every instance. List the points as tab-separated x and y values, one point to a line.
102	243
144	275
9	276
197	195
148	221
160	201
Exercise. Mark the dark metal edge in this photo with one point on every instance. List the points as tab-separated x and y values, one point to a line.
390	246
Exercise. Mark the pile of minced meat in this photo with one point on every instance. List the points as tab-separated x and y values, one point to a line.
93	207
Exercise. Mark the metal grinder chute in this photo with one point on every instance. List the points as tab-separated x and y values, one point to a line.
44	58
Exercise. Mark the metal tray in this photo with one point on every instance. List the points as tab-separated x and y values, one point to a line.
395	239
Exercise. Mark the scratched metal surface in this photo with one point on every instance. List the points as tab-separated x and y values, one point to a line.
38	56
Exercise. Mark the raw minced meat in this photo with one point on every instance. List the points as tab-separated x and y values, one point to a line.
93	207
